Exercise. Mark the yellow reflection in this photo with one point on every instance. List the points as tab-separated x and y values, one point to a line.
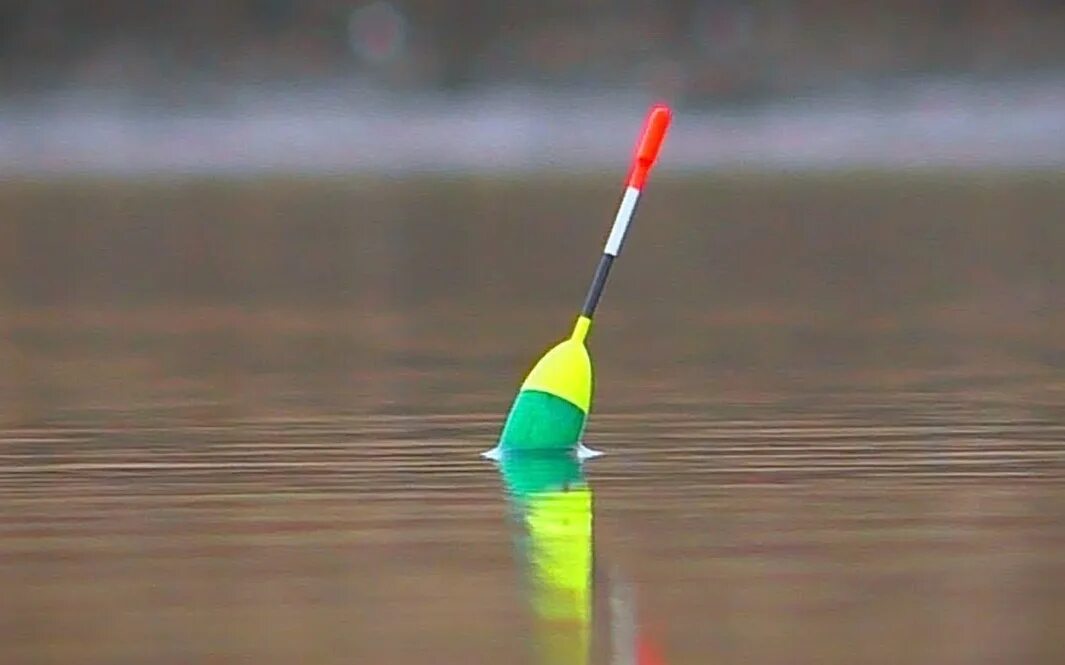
559	525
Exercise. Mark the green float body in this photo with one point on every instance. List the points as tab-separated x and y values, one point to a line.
540	420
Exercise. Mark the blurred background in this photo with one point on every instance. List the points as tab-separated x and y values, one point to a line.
271	272
330	85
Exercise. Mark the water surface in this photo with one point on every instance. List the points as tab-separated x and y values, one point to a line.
241	422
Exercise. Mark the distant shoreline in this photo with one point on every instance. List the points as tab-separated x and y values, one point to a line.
249	131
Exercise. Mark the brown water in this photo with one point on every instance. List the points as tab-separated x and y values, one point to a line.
240	422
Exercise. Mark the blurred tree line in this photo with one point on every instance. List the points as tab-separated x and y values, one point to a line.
699	49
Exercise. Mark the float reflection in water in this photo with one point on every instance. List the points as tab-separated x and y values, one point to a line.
552	508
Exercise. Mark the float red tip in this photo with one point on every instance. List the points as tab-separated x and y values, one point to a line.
654	132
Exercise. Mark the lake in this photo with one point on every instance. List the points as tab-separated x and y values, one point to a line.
241	421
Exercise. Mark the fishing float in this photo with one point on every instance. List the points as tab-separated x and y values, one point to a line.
553	403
